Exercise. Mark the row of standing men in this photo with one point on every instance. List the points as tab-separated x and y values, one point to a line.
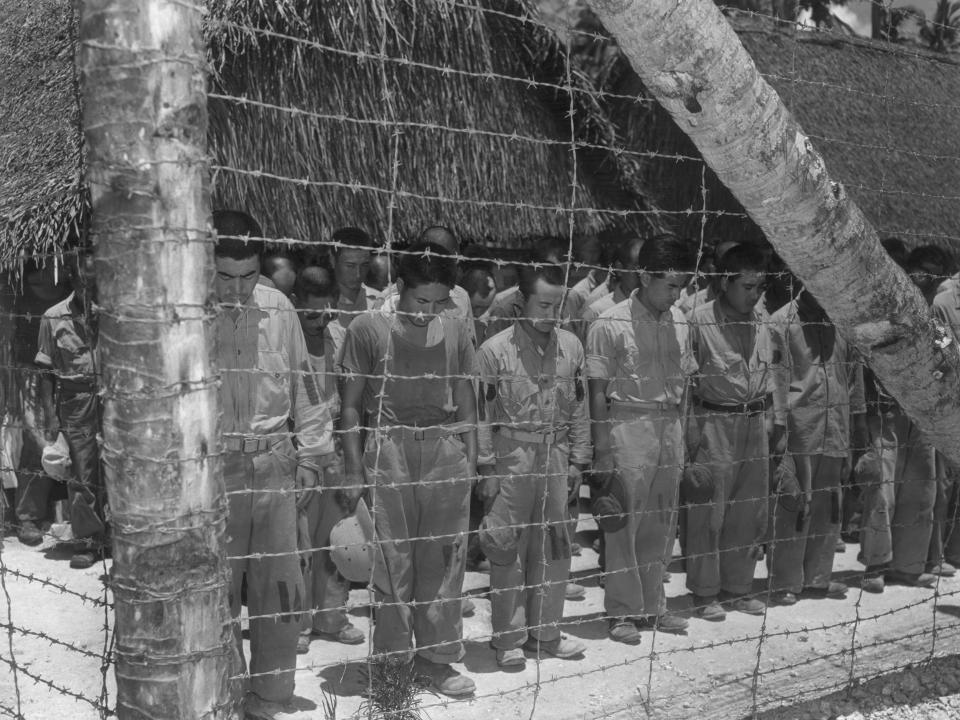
697	407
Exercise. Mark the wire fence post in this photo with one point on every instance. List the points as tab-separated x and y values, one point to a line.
142	70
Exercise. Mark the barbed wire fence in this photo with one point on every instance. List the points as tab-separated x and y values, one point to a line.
382	153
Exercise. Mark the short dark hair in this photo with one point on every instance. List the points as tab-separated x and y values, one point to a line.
231	226
316	280
425	263
351	238
742	258
268	261
440	235
478	280
896	249
628	251
666	253
929	255
550	273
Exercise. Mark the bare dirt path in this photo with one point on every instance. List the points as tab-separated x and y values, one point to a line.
717	670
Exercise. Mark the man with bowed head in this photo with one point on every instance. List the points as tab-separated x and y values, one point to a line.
638	361
534	446
266	385
411	372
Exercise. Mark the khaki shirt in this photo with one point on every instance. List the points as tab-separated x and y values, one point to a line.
66	343
527	389
817	382
642	357
266	375
728	376
946	308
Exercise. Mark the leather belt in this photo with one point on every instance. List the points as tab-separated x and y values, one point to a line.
647	405
541	438
433	432
747	408
247	445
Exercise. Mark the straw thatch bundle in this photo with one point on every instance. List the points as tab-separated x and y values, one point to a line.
42	200
397	114
882	115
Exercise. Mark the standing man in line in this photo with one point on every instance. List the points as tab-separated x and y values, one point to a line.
352	256
412	372
67	355
534	446
817	397
266	384
638	364
327	590
727	434
626	267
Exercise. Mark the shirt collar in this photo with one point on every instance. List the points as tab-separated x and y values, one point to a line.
527	344
639	309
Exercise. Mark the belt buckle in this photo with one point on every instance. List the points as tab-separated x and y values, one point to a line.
250	445
418	434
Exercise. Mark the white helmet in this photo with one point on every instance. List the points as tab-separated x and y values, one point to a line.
56	459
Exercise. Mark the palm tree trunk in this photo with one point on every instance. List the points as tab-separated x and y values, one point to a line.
692	62
145	123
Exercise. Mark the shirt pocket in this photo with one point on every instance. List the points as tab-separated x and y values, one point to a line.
272	389
518	395
74	351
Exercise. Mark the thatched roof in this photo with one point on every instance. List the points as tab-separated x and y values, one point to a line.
883	116
42	201
302	136
473	132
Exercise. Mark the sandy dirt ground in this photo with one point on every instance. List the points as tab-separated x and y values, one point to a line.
779	665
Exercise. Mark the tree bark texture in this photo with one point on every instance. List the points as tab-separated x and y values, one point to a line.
694	65
143	88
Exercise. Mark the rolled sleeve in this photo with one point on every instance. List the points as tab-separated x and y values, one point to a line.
45	344
601	360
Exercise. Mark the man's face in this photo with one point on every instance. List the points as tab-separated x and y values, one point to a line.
315	314
743	291
351	268
542	308
421	304
235	279
661	291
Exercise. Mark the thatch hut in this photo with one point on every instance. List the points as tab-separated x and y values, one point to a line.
882	115
389	114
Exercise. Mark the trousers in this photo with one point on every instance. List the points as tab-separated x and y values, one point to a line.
723	536
898	508
327	590
86	494
799	558
527	595
647	447
263	519
421	495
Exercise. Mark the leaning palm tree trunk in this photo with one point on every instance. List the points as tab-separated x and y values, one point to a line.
145	124
692	62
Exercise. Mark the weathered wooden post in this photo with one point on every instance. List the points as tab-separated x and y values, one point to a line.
143	90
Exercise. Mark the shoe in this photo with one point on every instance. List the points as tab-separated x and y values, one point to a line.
944	569
29	533
303	644
513	657
841	546
835	591
667	622
624	631
83	560
746	605
563	647
708	608
574	592
443	678
467	607
783	597
575	549
925	580
873	583
348	635
256	708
